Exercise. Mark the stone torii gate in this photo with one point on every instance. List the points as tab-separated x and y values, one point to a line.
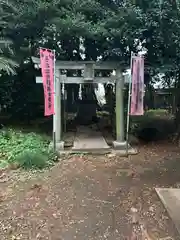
88	69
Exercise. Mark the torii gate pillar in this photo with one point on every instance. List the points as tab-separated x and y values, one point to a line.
119	143
57	118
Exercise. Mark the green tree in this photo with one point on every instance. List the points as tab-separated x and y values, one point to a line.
7	62
105	28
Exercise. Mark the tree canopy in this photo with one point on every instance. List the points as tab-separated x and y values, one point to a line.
107	29
91	29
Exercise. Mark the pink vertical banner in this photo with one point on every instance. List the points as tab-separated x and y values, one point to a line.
47	70
137	92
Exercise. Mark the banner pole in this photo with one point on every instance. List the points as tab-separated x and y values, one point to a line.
129	105
64	101
54	116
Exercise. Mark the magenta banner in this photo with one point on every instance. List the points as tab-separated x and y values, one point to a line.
137	91
47	69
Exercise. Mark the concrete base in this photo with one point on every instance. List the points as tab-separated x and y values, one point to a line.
120	145
170	198
97	151
121	153
131	151
59	146
121	149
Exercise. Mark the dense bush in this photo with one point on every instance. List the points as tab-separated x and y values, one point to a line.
155	124
28	150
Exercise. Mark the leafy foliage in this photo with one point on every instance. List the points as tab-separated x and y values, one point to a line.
7	62
89	29
29	150
156	124
30	160
110	29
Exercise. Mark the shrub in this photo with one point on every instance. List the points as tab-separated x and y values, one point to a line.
153	125
29	150
28	160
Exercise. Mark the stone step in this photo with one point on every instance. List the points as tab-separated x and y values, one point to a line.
89	139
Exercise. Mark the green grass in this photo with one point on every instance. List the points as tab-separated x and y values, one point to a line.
157	113
28	150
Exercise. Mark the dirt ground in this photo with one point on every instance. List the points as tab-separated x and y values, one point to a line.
91	197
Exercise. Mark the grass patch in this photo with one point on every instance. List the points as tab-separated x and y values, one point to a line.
157	113
28	150
28	160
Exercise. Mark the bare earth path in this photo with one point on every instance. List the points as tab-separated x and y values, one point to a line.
90	197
